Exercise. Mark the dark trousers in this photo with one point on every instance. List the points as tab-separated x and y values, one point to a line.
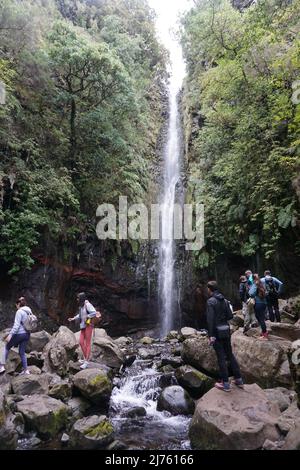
224	353
273	308
21	341
260	313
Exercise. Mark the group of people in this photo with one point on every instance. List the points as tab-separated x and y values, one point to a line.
259	297
20	333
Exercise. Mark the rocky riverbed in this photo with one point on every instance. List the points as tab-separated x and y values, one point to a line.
151	393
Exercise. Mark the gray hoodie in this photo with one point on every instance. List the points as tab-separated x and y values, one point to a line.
21	314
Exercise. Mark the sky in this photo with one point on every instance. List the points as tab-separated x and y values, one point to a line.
168	11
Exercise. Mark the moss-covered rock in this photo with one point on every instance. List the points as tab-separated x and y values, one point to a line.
93	384
45	415
94	432
195	382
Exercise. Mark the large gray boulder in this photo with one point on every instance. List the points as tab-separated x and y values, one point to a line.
239	420
8	435
59	351
94	432
282	396
196	383
285	331
38	341
288	418
30	384
292	441
45	415
263	362
106	351
93	384
176	400
294	363
197	352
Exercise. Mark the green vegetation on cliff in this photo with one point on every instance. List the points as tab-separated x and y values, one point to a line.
242	124
82	116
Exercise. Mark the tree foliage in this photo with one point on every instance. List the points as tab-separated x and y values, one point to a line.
242	123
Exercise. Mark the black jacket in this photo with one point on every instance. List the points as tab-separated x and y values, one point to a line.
244	295
218	313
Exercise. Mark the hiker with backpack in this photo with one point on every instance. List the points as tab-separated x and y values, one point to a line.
218	315
273	288
87	315
258	297
24	323
247	308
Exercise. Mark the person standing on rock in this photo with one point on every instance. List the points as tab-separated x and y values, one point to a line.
258	293
273	288
218	314
85	314
18	335
247	309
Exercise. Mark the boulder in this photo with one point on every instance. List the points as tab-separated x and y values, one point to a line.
79	407
172	335
288	418
196	383
263	362
148	353
5	384
105	351
34	370
123	341
146	340
291	310
294	363
280	395
93	384
8	434
45	415
176	400
135	412
38	341
19	424
239	420
61	391
292	441
30	385
94	432
198	353
172	361
188	332
59	351
285	331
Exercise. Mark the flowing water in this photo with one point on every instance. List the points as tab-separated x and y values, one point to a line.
140	387
172	171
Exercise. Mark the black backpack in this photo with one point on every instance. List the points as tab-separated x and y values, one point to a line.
271	290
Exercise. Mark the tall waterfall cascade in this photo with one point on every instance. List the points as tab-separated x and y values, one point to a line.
168	291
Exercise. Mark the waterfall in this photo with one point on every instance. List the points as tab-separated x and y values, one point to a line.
172	173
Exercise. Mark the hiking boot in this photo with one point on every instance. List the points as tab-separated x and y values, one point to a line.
2	370
239	383
264	337
24	372
225	386
84	365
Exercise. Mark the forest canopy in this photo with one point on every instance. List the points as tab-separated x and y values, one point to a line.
242	124
83	110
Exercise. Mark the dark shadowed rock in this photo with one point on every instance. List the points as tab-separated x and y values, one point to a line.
176	400
195	382
8	434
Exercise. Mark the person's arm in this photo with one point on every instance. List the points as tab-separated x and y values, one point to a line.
210	316
77	317
279	285
17	323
